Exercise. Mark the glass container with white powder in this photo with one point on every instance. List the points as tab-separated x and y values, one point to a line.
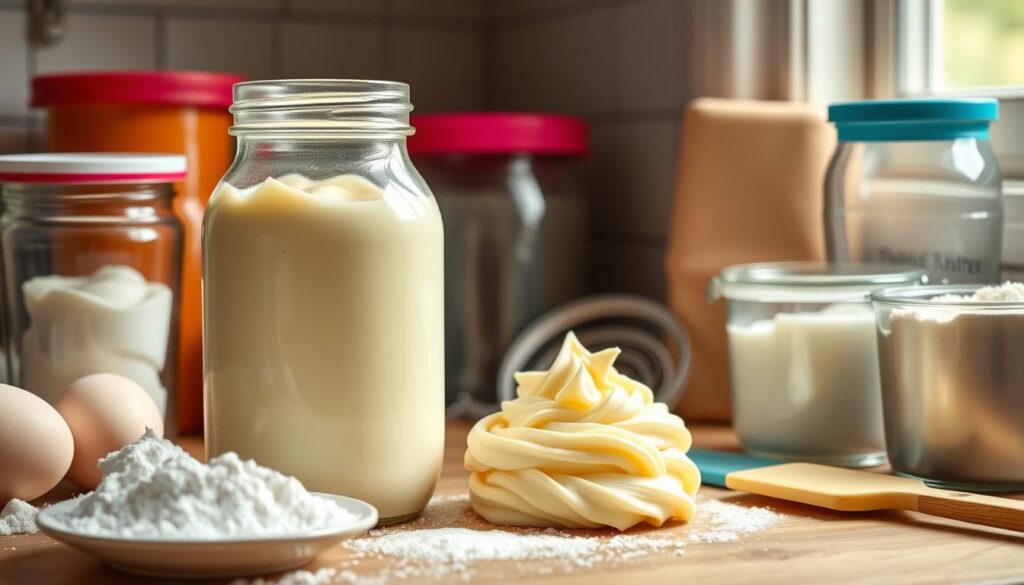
92	266
323	295
952	380
803	359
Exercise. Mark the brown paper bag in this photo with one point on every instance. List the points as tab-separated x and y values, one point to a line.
748	189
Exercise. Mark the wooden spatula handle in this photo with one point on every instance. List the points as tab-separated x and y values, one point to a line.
974	508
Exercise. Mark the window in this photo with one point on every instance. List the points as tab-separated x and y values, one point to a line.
956	48
980	42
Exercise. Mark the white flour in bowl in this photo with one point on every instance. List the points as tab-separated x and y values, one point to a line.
153	489
1008	292
18	517
1002	293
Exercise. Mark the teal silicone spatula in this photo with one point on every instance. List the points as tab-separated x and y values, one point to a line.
848	490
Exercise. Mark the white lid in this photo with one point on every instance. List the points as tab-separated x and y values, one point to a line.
92	167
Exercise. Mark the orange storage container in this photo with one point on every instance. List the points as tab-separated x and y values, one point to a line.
155	111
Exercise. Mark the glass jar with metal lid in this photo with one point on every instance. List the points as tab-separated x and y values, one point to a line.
803	359
915	183
92	266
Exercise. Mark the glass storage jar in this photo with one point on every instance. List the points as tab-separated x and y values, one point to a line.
92	267
183	112
803	359
915	183
323	295
515	237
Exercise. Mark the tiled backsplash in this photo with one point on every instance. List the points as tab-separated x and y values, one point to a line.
627	66
440	52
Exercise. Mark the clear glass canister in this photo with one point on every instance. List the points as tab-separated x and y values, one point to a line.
515	237
915	183
803	359
323	282
92	266
154	111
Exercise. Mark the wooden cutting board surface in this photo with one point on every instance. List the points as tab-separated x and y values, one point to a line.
810	545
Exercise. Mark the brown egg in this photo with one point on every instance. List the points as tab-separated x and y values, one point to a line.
105	412
35	445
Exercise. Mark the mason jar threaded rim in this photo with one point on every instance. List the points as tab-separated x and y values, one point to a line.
340	107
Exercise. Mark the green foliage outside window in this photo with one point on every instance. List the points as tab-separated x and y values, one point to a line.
982	43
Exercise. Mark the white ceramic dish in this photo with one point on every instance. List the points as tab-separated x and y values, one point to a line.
208	559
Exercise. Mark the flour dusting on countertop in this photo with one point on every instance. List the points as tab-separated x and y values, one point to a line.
450	543
303	577
18	517
727	522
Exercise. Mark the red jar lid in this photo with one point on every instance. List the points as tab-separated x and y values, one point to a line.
183	88
498	133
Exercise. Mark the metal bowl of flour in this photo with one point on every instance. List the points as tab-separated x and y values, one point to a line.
952	386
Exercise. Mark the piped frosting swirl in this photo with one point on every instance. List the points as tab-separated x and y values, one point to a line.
582	446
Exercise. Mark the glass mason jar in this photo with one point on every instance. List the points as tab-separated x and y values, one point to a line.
803	359
323	295
92	266
515	243
915	183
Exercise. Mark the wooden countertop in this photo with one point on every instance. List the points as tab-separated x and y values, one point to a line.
812	545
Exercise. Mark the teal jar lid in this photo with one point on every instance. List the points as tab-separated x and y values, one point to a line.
908	120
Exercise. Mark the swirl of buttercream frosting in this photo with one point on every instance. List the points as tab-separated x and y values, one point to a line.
582	446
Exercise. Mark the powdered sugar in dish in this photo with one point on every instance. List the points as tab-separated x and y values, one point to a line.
152	489
18	517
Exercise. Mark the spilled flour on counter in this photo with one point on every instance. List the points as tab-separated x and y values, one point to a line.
451	543
18	517
320	577
153	489
727	522
458	548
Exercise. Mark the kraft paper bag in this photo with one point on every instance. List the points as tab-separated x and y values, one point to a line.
749	188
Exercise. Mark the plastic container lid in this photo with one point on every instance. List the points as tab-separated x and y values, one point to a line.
498	133
923	119
92	168
183	88
781	282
